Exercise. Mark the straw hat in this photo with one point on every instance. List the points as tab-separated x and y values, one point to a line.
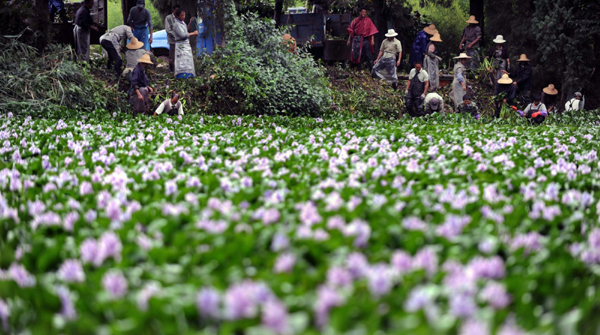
505	80
431	30
523	58
550	90
436	38
472	20
391	33
462	56
134	44
145	59
499	39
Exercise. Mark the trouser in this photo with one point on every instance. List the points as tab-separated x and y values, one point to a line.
361	51
472	63
140	107
82	43
194	45
525	95
414	105
141	33
113	56
172	57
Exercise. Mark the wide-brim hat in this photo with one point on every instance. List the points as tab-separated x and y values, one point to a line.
550	90
472	20
145	59
505	80
463	56
523	58
134	44
436	38
431	30
391	33
499	39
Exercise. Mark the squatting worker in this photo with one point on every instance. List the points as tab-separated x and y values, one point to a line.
504	94
386	63
434	103
169	22
139	92
416	89
550	97
362	39
468	107
81	32
171	106
470	38
576	103
134	52
536	111
522	78
111	43
141	21
459	84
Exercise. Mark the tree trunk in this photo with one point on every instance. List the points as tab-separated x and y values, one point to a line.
476	8
278	11
43	25
126	6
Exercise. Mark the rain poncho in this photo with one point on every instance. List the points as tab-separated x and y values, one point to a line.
184	59
419	47
431	64
360	30
458	92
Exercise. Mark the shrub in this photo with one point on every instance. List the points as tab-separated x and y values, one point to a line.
256	74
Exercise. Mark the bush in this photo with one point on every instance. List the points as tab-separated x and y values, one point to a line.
256	74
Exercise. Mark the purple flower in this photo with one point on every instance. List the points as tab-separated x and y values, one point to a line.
594	238
88	250
90	216
474	327
115	284
67	309
379	280
414	223
495	295
275	317
69	221
71	271
280	242
109	245
357	264
284	263
113	210
270	216
309	215
336	222
19	274
338	277
427	260
207	302
492	268
462	305
418	299
453	226
327	298
170	187
4	314
145	294
401	261
242	299
85	188
361	230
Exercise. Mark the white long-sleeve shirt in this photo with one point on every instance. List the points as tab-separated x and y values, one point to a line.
169	106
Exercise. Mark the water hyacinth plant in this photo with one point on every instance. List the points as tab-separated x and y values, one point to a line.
260	225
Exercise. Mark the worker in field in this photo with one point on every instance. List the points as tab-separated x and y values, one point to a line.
419	46
468	107
134	52
169	23
522	78
416	89
470	41
362	39
81	32
576	103
459	84
140	20
111	44
536	111
550	97
57	6
431	63
388	59
139	92
434	103
171	106
504	94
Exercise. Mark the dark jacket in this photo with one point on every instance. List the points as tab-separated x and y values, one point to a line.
138	77
522	76
508	90
504	55
83	18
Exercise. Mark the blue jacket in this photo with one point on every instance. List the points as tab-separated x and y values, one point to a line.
419	47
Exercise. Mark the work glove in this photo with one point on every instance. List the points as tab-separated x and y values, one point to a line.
521	113
422	96
406	92
477	117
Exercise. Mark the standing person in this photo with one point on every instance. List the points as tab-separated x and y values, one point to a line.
459	84
386	63
134	52
416	89
139	92
468	107
432	63
499	56
522	78
169	22
184	61
362	39
57	6
434	103
575	104
504	94
81	32
549	98
419	46
193	27
141	21
471	37
170	106
536	111
111	43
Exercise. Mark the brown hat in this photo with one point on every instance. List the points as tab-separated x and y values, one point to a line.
134	44
431	30
523	58
550	90
436	38
463	56
472	20
145	59
505	80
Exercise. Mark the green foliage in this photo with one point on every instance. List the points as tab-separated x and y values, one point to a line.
257	74
53	85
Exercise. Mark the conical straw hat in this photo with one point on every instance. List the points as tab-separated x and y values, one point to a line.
505	80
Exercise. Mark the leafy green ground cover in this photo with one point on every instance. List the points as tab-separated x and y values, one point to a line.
260	225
